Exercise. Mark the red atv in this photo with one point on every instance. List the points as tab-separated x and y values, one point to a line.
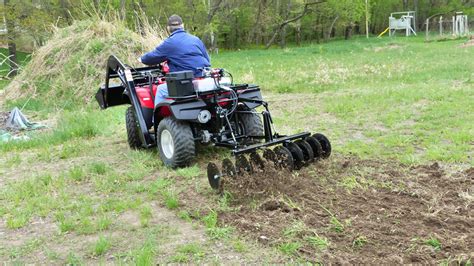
207	110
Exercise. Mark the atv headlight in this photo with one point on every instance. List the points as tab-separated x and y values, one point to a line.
204	116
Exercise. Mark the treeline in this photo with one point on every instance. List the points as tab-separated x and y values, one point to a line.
230	24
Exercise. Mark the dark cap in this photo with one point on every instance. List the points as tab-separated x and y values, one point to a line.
175	20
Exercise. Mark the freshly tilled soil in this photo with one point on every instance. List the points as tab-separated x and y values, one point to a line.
369	211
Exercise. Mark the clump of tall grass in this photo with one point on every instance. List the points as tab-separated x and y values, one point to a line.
70	67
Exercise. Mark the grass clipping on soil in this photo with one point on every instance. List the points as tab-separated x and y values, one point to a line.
69	69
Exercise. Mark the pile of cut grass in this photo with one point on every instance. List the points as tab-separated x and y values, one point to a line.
66	72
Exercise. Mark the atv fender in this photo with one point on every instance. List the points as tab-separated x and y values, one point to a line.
180	109
251	97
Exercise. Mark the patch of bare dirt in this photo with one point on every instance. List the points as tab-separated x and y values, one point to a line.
391	46
3	120
469	43
370	211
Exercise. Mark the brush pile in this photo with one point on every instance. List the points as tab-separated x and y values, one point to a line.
70	67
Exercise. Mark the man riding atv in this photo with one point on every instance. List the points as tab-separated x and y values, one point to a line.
181	50
200	105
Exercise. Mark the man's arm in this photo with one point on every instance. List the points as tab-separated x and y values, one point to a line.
156	56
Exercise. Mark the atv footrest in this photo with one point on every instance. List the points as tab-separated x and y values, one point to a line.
273	142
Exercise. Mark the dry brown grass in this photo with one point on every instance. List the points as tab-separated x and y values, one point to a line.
71	66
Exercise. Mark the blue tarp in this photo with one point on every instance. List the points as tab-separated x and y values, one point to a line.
16	122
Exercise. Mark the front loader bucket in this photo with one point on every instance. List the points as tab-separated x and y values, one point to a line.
111	96
124	93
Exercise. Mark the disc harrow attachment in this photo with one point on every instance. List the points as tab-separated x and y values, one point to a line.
242	165
256	161
291	154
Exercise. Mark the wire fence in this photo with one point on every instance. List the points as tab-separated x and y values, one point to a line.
448	27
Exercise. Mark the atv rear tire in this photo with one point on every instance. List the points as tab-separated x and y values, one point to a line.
252	123
133	131
175	143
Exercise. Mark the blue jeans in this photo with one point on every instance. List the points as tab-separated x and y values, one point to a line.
161	93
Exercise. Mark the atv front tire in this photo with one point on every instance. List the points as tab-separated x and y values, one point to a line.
133	130
175	143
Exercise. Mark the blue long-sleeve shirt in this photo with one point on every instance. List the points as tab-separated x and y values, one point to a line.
182	50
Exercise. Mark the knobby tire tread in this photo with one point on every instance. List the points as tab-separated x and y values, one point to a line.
133	131
253	124
183	139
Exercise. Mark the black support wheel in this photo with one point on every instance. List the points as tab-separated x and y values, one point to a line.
175	142
297	154
325	144
308	155
284	158
316	146
133	131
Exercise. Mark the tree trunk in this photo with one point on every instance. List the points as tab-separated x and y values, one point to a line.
280	27
331	28
210	35
283	31
348	32
320	32
405	5
11	36
258	27
13	60
298	33
418	16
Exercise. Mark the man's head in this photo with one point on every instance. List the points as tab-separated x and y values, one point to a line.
175	23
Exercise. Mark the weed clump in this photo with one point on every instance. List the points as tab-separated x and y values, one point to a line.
66	72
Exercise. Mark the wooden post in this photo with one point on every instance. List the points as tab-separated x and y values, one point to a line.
11	37
367	18
466	21
454	25
427	27
441	26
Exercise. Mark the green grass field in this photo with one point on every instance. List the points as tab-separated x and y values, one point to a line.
75	193
399	98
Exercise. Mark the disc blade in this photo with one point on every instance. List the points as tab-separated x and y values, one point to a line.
242	165
213	175
269	155
325	144
257	161
316	146
297	154
228	168
284	158
308	153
